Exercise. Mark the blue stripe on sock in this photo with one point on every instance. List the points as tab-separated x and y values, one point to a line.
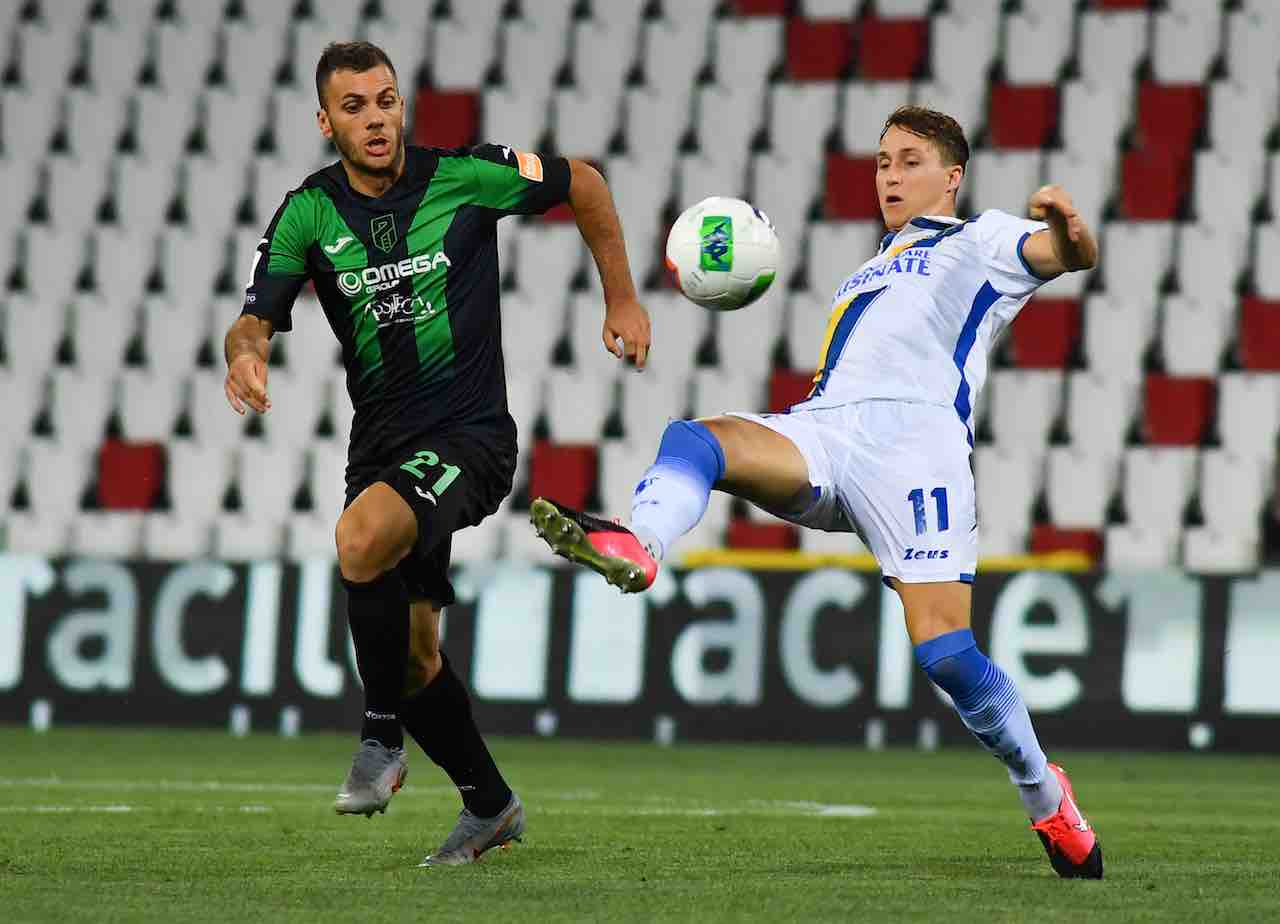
692	446
944	646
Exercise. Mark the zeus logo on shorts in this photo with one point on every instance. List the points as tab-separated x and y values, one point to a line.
913	554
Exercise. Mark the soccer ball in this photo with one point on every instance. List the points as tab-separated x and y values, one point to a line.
724	253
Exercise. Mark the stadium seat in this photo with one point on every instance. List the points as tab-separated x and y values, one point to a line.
800	118
679	330
292	123
79	407
962	44
114	53
819	542
100	333
28	120
49	252
123	260
1088	391
47	53
130	474
1045	333
180	55
864	106
818	49
213	421
1206	550
197	478
1266	240
269	183
56	476
269	477
672	51
747	343
478	545
1210	261
1233	490
1224	190
1177	410
1022	116
241	537
890	49
76	190
1092	115
39	327
566	473
1002	180
106	534
785	188
1157	485
1251	36
309	536
141	190
10	468
586	322
1079	484
547	258
726	119
836	250
192	260
1169	116
148	405
459	53
710	531
586	117
745	51
577	406
530	329
1259	339
297	405
807	317
1154	183
1117	331
1131	548
622	464
326	478
1037	42
744	533
788	387
1111	44
1047	539
1024	405
1007	480
1249	413
511	116
1194	334
649	402
718	391
604	46
1184	43
1135	257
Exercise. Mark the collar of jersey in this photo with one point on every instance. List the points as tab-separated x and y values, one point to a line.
919	227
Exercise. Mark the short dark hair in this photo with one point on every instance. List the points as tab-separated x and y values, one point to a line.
945	132
348	56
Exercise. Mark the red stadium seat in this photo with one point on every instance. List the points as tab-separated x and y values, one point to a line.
1045	332
818	49
851	188
564	472
1177	410
1154	184
1046	539
788	387
761	7
130	475
1169	116
446	119
891	49
1260	334
1022	116
748	534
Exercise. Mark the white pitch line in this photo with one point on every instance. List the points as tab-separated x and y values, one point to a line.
135	785
62	809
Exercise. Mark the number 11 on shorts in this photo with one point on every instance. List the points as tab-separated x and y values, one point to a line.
917	505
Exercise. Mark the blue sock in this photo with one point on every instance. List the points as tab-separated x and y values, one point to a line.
672	496
990	707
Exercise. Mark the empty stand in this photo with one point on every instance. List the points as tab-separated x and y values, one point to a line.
1045	333
1249	412
891	49
1022	116
1038	41
130	475
1178	409
565	473
1079	485
818	49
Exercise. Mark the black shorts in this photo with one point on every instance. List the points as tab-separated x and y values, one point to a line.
450	482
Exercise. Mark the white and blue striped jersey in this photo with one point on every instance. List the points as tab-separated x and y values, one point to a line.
917	321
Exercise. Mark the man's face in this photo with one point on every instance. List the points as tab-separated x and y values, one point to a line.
363	114
911	178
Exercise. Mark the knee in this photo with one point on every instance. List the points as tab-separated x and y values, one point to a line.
357	541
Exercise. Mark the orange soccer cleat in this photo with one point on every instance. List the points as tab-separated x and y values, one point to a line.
1069	839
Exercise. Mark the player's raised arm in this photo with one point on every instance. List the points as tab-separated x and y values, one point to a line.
247	347
625	318
1067	245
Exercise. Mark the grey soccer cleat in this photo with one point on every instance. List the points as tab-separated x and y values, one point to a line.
377	773
472	836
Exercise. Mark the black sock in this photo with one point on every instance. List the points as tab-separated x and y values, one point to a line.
439	718
378	613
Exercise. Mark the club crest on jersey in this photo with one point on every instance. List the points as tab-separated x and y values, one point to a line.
383	232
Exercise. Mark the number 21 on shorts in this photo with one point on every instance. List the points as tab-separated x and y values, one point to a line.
427	459
916	497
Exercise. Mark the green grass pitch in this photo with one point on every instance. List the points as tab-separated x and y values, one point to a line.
110	825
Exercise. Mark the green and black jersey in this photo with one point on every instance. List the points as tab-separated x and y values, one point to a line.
409	284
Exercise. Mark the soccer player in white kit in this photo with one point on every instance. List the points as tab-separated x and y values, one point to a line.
882	444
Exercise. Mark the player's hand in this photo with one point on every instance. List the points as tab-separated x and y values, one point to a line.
247	384
626	320
1049	203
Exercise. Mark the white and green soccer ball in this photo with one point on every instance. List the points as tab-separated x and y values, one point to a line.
724	253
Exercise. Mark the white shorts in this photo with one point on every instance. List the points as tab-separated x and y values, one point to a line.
896	473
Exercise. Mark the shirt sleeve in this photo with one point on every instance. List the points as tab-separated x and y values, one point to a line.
516	182
279	265
1004	236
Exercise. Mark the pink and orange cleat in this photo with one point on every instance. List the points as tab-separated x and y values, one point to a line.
1069	840
607	548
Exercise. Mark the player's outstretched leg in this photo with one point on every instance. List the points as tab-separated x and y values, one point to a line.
669	501
991	708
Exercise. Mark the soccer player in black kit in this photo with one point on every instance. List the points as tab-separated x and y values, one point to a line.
400	244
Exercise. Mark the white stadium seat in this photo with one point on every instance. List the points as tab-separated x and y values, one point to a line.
1157	484
1087	391
1111	44
1117	331
1024	405
1132	548
79	407
56	476
1038	40
168	536
1184	42
1080	483
1135	256
1002	180
107	534
577	405
198	479
1249	413
1194	334
865	104
269	477
1007	481
148	405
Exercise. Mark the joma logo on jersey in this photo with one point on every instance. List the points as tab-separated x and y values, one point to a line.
383	232
379	278
912	554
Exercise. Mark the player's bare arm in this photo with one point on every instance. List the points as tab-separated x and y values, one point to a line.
247	347
625	318
1068	245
